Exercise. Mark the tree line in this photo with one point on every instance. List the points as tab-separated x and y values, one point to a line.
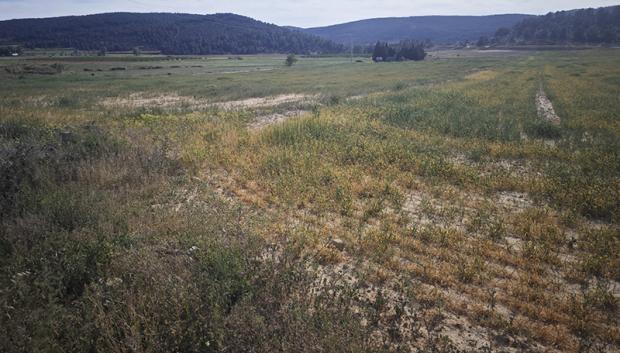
9	50
168	33
585	26
405	50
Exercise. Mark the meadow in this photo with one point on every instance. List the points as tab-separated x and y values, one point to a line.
233	204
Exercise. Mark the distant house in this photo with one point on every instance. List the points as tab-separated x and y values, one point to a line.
15	54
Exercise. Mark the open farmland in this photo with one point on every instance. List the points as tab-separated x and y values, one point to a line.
469	202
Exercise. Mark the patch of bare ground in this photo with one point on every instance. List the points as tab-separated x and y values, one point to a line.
489	281
445	211
275	118
512	168
39	101
142	100
483	75
264	102
245	71
423	316
399	322
380	300
456	288
357	97
173	100
512	201
365	95
470	53
462	210
545	108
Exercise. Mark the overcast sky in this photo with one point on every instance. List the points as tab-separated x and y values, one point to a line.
303	13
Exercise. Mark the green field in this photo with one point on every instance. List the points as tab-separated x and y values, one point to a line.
233	204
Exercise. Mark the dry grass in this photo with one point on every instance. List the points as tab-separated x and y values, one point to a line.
414	219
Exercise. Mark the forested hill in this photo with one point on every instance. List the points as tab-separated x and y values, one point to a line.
439	29
586	26
169	33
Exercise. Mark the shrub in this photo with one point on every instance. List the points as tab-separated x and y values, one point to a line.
399	86
291	59
600	254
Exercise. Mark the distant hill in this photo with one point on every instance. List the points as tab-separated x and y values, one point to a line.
439	29
166	32
585	26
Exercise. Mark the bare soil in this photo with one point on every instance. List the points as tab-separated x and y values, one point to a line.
275	118
173	100
545	108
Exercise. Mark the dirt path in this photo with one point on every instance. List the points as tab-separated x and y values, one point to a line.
264	102
142	100
545	108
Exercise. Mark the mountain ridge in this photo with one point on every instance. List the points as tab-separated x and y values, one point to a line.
438	28
170	33
598	26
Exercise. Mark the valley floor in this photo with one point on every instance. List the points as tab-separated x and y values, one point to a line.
465	203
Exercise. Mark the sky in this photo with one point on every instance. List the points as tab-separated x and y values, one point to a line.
302	13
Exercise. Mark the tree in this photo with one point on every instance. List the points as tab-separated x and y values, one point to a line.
483	42
405	50
502	32
593	35
411	50
377	53
419	53
291	59
609	36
